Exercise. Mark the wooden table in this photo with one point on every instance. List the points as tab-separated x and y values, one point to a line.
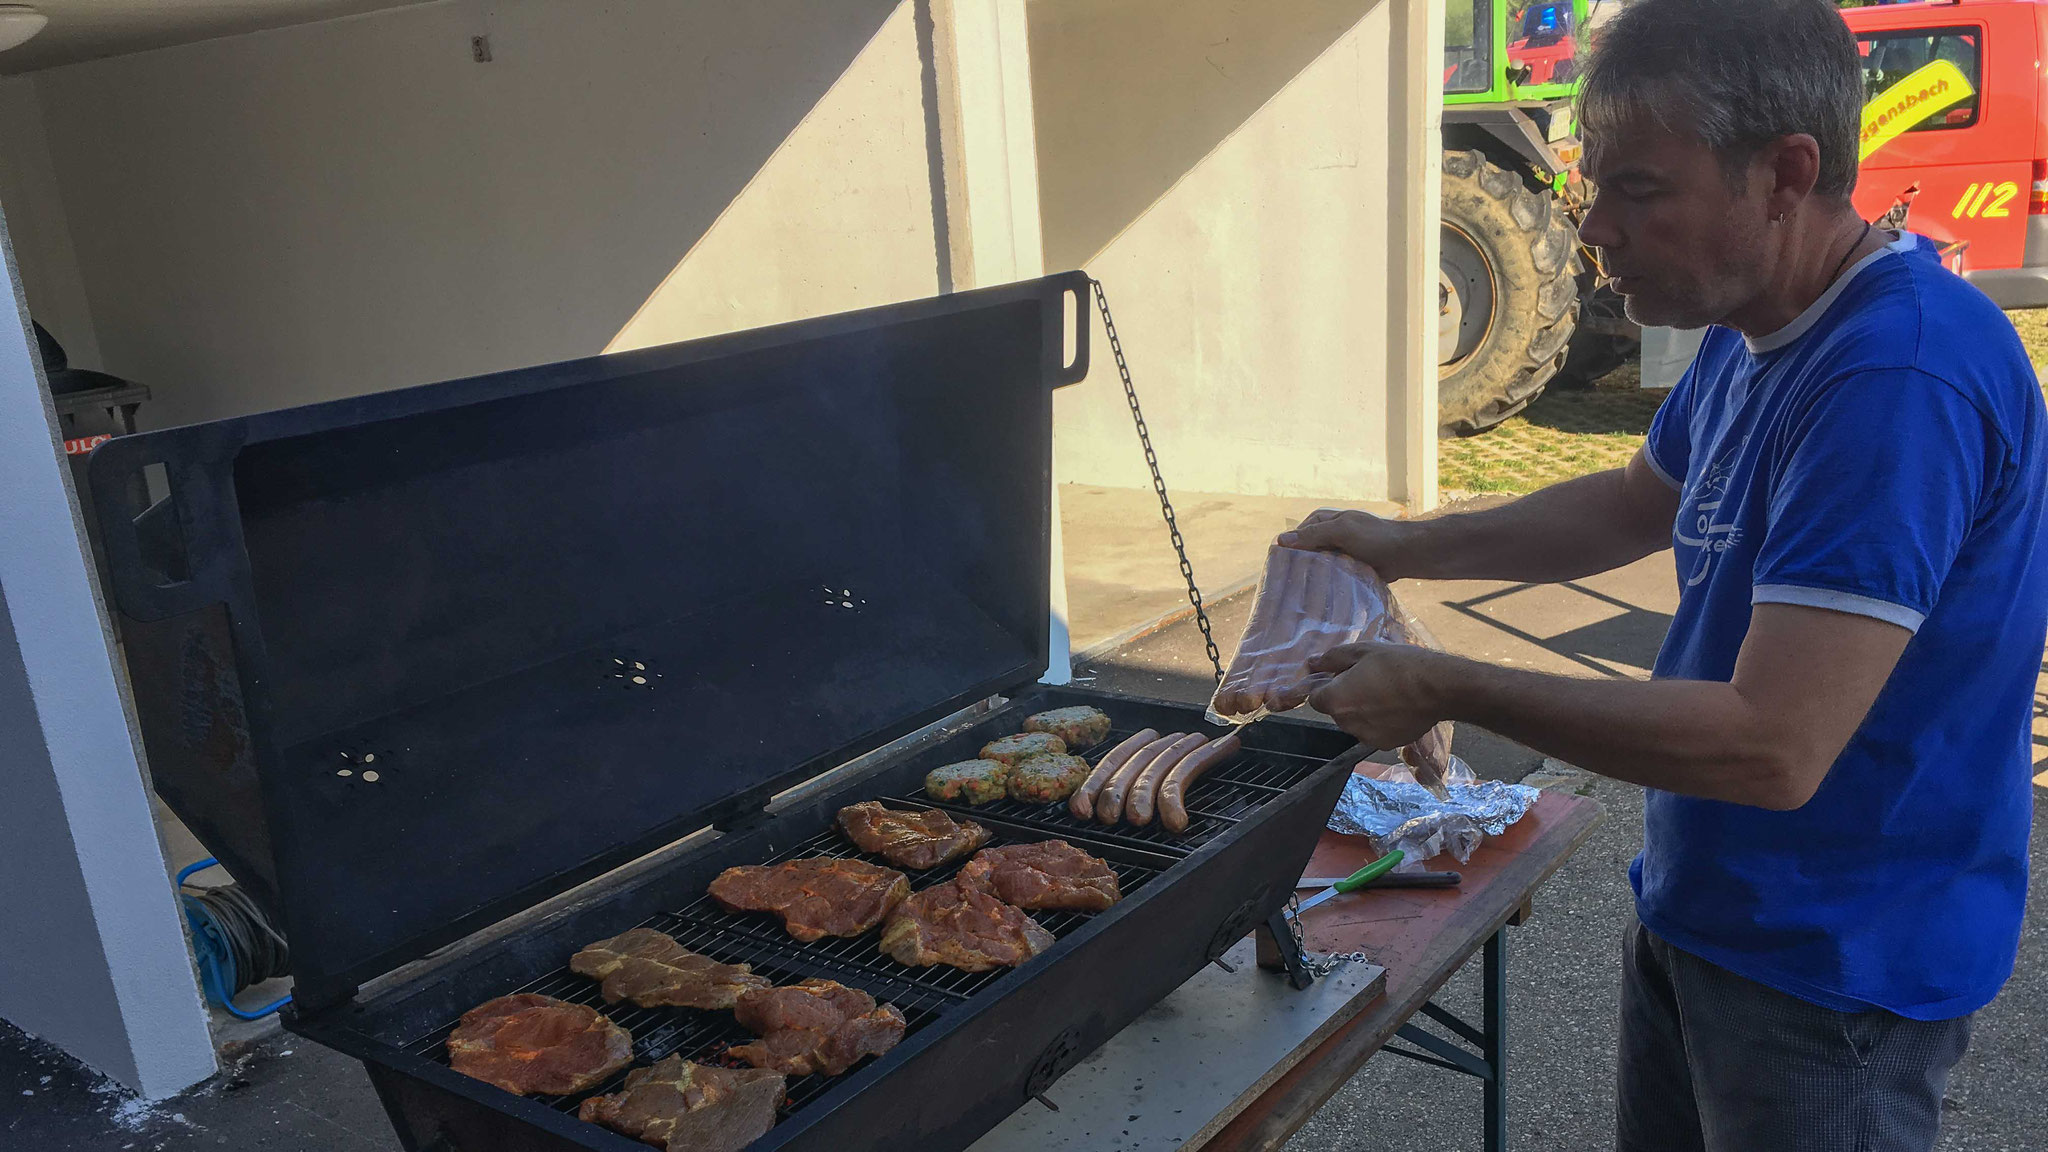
1237	1059
1421	936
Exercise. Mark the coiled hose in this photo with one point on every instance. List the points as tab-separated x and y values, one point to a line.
235	944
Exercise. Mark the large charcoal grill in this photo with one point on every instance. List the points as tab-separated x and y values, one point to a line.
573	614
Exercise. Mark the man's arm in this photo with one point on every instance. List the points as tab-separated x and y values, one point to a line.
1804	680
1566	531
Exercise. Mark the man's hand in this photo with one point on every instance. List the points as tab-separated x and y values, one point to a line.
1383	695
1371	540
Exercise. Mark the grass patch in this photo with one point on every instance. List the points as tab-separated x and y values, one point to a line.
1573	433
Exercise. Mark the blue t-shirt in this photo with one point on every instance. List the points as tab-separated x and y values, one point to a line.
1882	455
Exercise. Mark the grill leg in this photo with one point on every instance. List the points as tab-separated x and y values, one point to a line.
1278	937
1494	1026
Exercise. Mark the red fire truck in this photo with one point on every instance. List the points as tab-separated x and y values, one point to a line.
1954	138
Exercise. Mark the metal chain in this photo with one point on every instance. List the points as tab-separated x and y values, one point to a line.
1318	966
1187	571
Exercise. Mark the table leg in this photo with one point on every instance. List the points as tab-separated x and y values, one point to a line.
1494	1026
1490	1064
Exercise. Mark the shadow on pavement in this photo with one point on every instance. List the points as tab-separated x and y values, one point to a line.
1631	638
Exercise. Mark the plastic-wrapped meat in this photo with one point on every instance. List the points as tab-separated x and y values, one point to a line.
1307	604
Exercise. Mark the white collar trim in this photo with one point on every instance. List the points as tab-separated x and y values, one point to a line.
1807	319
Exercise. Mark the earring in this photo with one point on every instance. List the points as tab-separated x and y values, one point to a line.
1778	219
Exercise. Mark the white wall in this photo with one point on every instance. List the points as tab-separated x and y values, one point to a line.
40	224
345	207
1225	174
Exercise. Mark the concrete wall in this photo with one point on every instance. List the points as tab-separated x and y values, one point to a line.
1228	176
93	955
356	205
40	223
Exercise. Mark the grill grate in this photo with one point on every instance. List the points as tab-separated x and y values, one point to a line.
1221	799
861	953
759	939
694	1033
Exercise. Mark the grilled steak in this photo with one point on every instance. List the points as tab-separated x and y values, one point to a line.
537	1044
816	1026
974	781
910	839
816	898
1044	779
1011	751
683	1107
1077	727
652	970
1048	874
962	926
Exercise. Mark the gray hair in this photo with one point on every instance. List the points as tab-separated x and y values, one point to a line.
1734	74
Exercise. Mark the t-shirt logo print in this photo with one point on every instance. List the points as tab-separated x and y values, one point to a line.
1713	536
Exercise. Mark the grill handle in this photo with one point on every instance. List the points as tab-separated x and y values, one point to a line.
1074	288
180	554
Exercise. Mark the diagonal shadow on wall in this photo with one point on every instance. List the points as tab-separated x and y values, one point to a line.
1130	96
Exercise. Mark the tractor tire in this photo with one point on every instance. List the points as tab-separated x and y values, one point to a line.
1507	296
1604	339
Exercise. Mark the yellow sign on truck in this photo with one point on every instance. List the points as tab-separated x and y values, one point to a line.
1925	91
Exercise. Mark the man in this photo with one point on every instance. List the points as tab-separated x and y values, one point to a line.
1835	742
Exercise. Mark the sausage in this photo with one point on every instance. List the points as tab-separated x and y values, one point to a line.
1173	811
1288	687
1082	802
1138	809
1109	804
1241	693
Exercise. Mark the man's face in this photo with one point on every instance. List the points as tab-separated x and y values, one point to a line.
1684	246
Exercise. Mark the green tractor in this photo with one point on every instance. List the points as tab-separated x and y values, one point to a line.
1518	301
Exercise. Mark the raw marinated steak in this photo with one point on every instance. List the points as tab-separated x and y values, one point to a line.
1077	727
815	1026
652	970
1011	751
910	839
530	1044
972	781
816	898
962	926
1044	779
1048	874
683	1107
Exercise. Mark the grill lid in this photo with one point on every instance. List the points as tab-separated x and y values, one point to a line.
469	644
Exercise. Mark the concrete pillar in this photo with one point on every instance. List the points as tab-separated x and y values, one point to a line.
982	58
93	955
1414	100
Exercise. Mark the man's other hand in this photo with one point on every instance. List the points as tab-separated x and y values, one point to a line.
1382	695
1371	540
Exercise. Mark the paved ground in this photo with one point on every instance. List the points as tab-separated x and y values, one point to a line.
1121	570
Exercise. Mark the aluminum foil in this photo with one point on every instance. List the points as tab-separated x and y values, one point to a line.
1404	815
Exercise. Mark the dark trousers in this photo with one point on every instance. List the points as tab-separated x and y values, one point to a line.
1714	1062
